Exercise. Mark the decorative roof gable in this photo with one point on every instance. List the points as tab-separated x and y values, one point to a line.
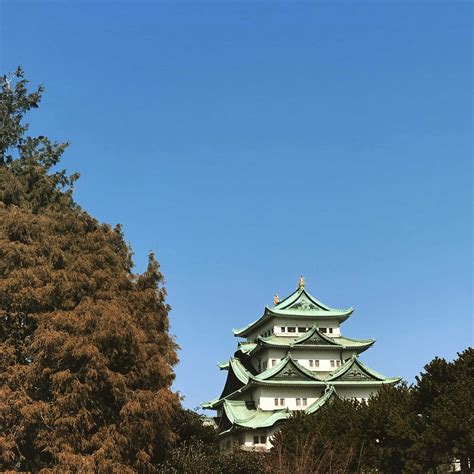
304	303
355	371
300	304
287	370
315	337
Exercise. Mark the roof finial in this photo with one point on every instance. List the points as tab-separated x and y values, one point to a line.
276	299
301	282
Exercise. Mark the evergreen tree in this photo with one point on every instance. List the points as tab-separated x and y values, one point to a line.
85	354
445	403
330	440
391	429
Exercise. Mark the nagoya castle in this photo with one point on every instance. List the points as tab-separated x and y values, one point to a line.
294	358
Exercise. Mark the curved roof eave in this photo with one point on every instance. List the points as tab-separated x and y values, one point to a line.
354	361
283	309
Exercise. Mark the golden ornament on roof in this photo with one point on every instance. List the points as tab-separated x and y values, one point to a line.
301	282
276	299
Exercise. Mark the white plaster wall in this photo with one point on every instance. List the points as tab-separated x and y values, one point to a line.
303	356
308	323
267	395
260	331
276	324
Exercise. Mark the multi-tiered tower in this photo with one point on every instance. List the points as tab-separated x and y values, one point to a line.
294	358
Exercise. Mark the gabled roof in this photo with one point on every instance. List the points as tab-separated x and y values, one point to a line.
312	339
315	337
300	301
300	305
355	372
287	370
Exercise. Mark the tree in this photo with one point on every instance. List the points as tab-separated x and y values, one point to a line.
330	440
391	430
85	354
445	403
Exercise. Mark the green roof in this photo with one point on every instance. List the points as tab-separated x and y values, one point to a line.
286	372
301	305
355	372
329	393
313	339
241	415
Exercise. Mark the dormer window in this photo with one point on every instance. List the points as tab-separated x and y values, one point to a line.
291	329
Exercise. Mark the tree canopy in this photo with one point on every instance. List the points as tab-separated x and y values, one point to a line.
418	428
85	353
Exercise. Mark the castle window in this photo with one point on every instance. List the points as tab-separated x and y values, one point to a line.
332	362
282	402
274	362
316	363
301	329
311	362
298	402
323	330
338	363
330	330
291	329
255	440
283	329
263	439
276	402
305	401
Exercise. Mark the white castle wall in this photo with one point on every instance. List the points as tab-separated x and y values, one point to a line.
264	397
303	356
275	327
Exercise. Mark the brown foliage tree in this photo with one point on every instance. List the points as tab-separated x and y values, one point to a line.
85	354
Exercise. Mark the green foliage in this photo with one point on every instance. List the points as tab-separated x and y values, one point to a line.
197	458
191	427
85	354
332	438
445	405
400	429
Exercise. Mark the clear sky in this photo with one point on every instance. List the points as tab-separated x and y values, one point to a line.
247	143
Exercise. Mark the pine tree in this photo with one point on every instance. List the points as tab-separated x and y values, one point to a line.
85	354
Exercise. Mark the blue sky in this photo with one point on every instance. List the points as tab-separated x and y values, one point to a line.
247	143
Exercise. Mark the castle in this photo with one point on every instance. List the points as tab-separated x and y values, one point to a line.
294	358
